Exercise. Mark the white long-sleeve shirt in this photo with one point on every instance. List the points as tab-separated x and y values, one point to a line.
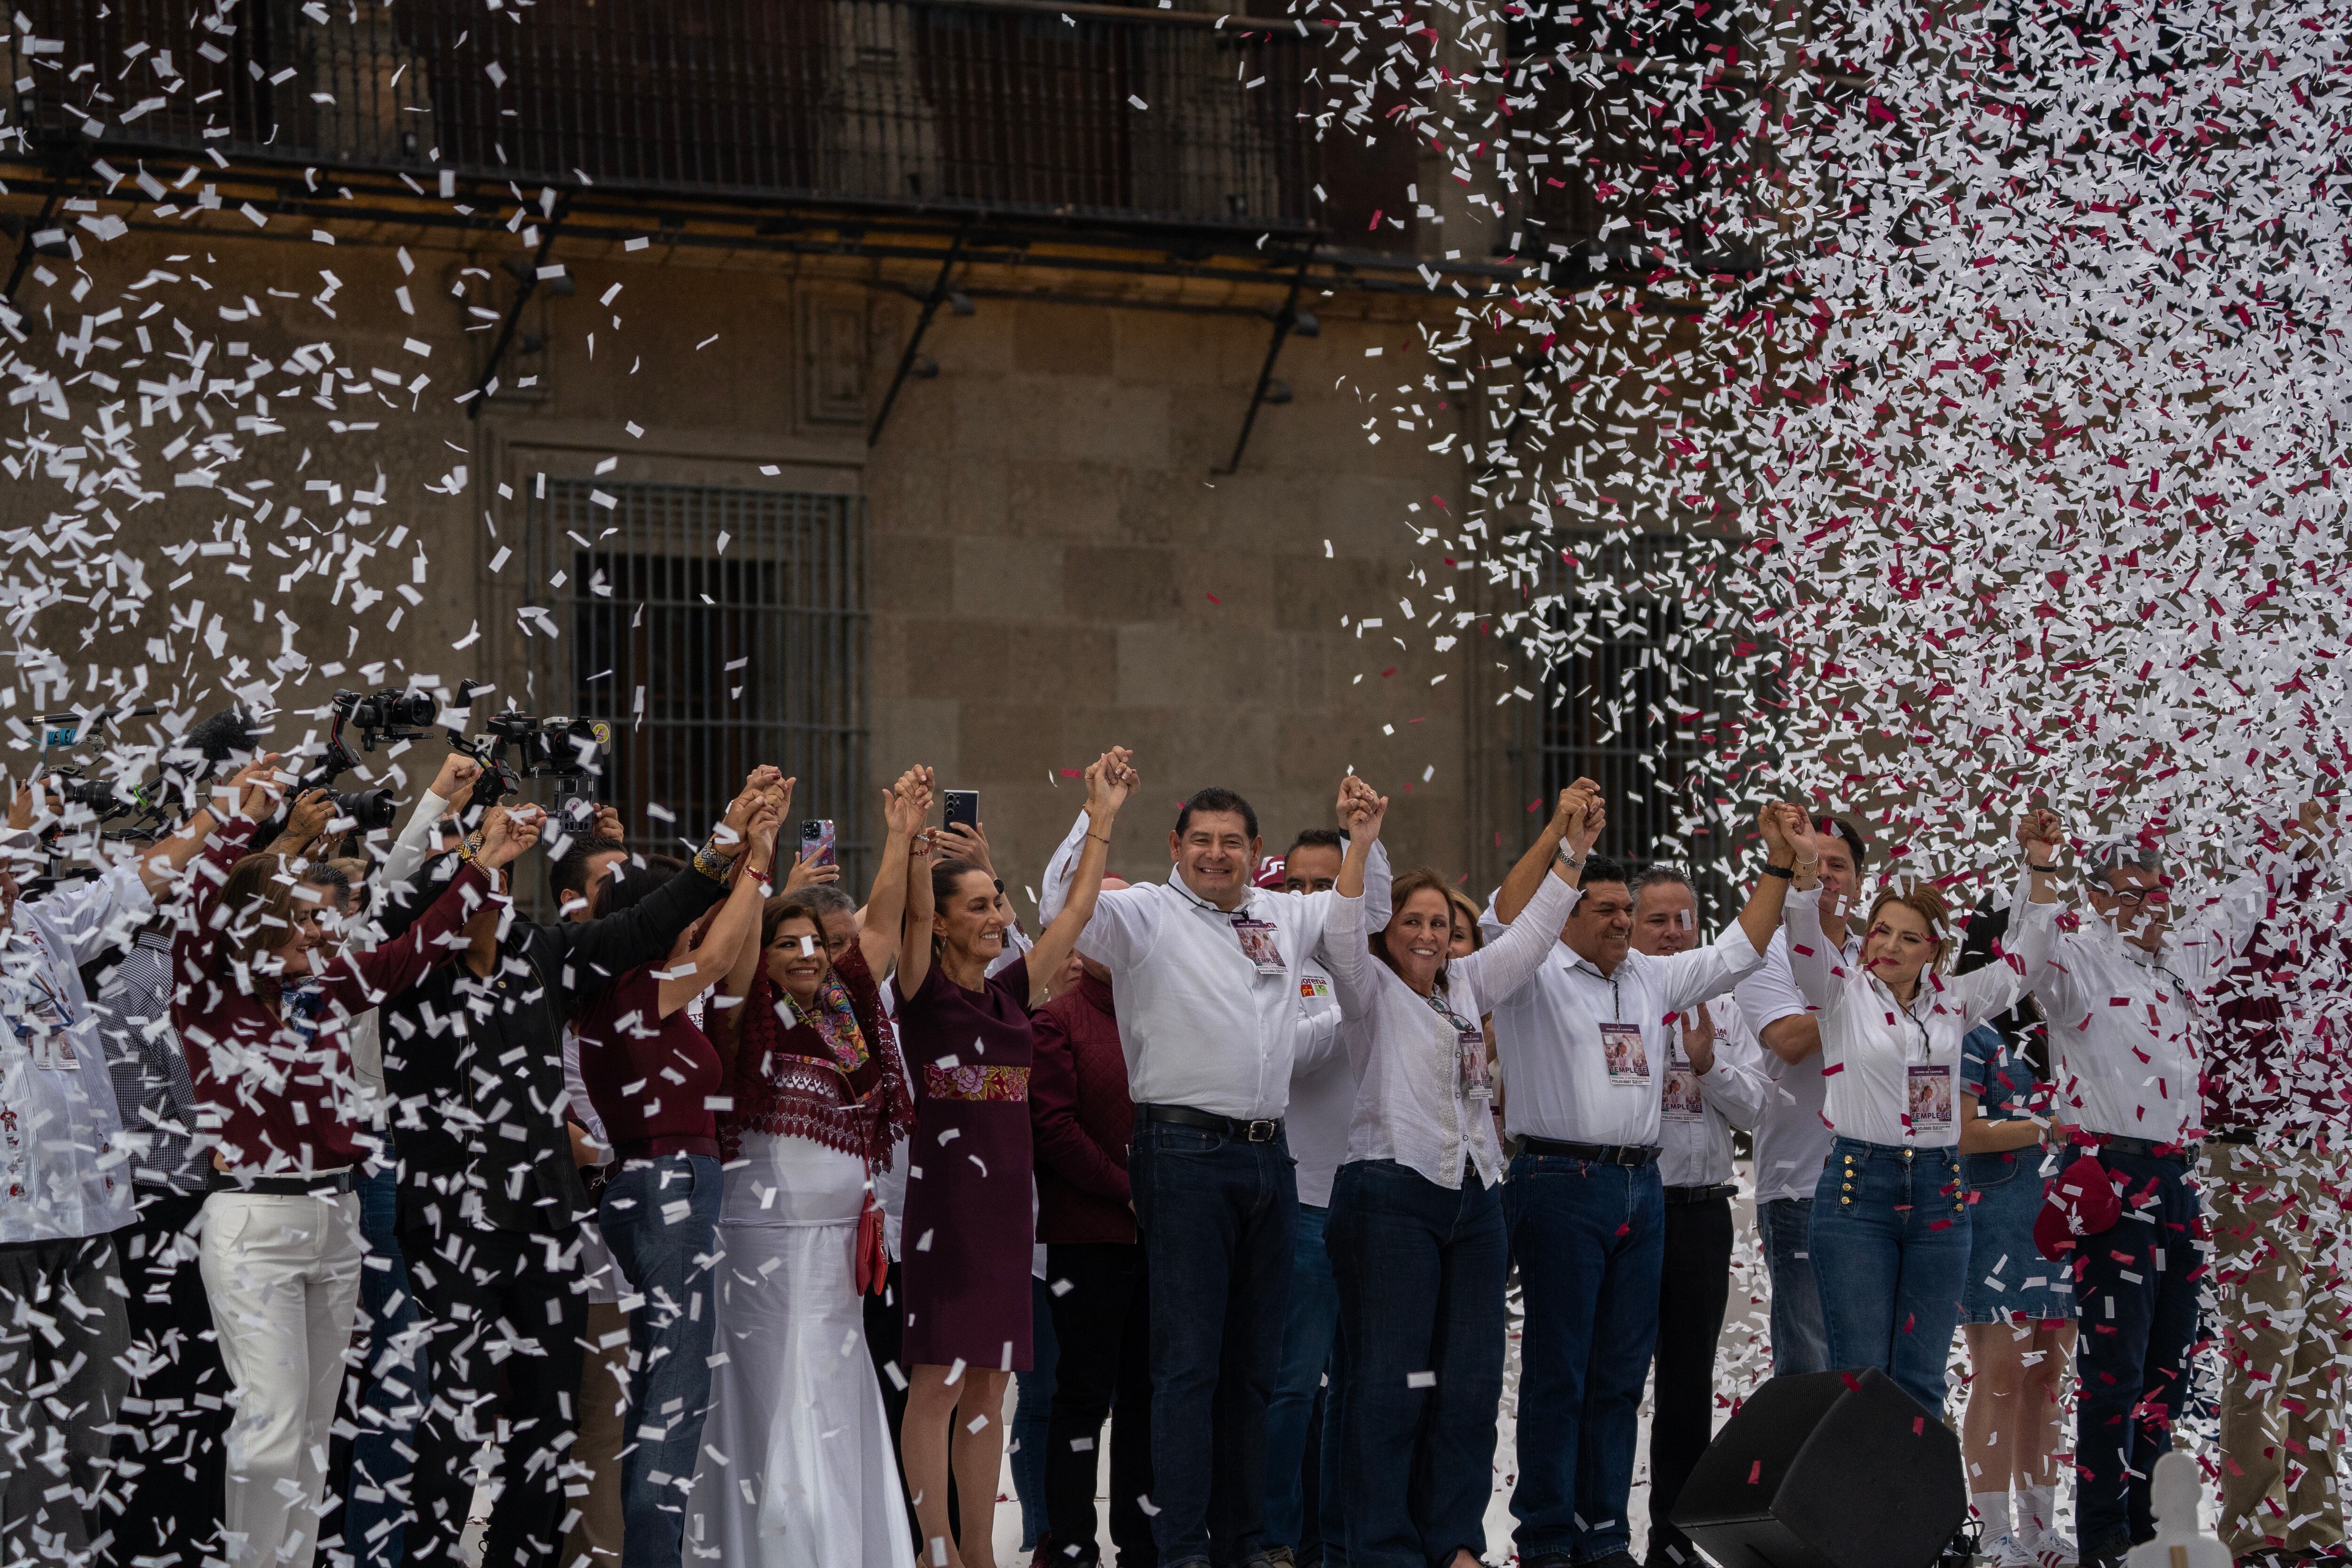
1701	1109
1322	1089
1584	1052
1894	1077
2124	1029
1790	1138
1413	1104
65	1170
1202	1025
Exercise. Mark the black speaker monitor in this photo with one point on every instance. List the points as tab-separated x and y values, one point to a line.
1831	1469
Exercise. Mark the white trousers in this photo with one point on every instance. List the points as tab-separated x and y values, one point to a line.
283	1276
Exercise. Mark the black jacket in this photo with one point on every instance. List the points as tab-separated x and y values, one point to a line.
476	1063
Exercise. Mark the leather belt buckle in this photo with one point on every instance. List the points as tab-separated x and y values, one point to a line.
1261	1131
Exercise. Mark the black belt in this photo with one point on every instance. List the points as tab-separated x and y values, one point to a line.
1702	1194
322	1186
1264	1131
1597	1154
2147	1149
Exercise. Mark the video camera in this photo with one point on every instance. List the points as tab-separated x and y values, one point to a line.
391	714
570	751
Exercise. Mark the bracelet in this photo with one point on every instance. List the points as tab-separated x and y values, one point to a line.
468	848
1100	840
1772	870
712	864
1805	867
1573	862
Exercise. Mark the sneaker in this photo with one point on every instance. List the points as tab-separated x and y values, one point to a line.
2051	1549
2005	1551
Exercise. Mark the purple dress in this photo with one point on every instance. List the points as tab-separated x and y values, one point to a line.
968	1229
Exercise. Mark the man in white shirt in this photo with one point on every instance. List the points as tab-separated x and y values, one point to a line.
1207	971
1714	1082
1791	1138
2122	1000
1584	1047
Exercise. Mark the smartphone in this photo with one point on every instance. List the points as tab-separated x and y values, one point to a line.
816	841
963	808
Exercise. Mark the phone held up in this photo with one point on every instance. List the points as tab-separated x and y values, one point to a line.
816	841
962	808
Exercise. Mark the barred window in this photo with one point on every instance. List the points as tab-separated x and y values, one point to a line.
715	630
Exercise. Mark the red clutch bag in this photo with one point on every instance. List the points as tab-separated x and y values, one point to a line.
872	1256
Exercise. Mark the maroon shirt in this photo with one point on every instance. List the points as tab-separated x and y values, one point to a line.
649	1077
275	1074
1081	1118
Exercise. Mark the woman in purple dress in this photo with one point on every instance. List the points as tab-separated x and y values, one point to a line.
968	1225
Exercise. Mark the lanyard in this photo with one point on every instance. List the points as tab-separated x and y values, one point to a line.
1460	1026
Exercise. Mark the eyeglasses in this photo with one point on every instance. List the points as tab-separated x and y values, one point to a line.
2134	897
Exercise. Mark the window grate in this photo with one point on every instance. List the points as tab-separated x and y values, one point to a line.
661	589
1634	701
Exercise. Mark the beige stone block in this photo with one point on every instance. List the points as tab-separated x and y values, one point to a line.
1211	667
913	574
911	730
1008	744
984	661
1103	421
1050	499
979	494
1167	348
1061	340
1119	583
1007	579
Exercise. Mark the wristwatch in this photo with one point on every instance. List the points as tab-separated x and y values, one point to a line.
1573	862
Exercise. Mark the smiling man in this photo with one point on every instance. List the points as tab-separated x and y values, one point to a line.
1585	1046
1207	970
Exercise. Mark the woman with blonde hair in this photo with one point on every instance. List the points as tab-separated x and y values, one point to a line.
1890	1229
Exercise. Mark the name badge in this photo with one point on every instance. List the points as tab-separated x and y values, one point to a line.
1931	1099
1682	1099
1470	1043
1313	990
1628	1058
1259	945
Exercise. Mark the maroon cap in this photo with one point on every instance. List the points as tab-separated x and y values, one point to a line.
2081	1202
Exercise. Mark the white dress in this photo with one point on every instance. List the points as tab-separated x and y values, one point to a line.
807	1479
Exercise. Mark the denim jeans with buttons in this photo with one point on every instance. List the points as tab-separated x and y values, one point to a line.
1890	1245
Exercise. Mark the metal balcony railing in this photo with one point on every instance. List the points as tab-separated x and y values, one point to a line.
1012	107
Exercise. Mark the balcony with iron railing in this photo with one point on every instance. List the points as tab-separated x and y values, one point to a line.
1011	110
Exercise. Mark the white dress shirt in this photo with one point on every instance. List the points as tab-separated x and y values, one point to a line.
1790	1139
1411	1102
1701	1109
1894	1077
1322	1089
2123	1028
1204	1025
1549	1036
65	1170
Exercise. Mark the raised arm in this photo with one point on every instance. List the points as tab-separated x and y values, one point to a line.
1527	875
364	980
1110	781
451	788
737	921
1508	962
1761	916
905	807
1341	946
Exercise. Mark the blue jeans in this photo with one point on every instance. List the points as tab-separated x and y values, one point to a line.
670	1256
1590	1240
1799	1344
1421	1273
2134	1365
1030	1413
1890	1245
1305	1357
396	1384
1218	1215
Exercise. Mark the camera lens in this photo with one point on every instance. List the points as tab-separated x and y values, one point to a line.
413	711
369	808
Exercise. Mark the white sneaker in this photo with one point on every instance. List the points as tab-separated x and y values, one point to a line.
2051	1549
2004	1551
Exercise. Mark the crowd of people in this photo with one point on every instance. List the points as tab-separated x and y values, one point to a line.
714	1219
